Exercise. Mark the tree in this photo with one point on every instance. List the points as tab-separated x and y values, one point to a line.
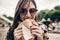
41	14
53	15
57	7
10	18
5	15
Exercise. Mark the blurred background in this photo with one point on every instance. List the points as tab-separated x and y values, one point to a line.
48	14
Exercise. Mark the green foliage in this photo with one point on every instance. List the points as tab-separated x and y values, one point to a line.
57	7
53	15
41	14
5	15
10	18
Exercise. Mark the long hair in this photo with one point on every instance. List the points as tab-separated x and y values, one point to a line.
21	3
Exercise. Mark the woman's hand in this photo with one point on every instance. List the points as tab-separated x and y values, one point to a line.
37	31
18	33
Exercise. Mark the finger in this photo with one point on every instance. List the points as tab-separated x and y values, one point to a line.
34	23
39	36
18	37
18	34
37	31
18	31
19	26
34	27
36	34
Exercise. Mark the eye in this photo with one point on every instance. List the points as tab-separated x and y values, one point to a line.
32	10
23	10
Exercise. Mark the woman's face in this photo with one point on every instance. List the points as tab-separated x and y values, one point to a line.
28	11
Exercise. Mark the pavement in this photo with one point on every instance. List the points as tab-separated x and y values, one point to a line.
3	33
54	36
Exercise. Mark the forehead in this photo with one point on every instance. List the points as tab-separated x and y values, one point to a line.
29	5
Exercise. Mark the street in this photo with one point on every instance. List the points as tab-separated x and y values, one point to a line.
3	33
54	36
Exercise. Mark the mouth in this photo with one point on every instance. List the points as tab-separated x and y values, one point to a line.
28	18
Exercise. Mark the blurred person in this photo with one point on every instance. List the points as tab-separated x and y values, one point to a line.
3	25
26	9
9	25
45	34
45	26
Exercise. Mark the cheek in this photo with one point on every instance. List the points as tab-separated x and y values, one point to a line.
22	17
33	15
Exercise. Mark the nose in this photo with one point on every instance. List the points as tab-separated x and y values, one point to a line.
28	15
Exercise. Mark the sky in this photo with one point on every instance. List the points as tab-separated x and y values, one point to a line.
8	6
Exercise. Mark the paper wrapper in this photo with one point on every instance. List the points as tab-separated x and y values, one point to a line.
26	33
26	29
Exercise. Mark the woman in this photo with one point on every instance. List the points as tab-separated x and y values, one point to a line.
26	9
